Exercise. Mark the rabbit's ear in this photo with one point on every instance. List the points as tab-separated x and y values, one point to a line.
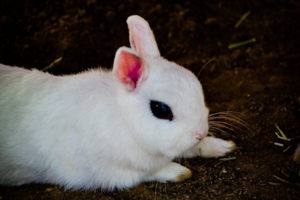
141	37
128	68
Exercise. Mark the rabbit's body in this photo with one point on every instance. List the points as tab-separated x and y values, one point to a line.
72	137
106	129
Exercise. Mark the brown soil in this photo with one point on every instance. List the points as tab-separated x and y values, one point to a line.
259	80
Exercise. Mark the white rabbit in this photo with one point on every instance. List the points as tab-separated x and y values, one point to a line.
104	129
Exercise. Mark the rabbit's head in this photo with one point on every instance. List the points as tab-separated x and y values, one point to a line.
162	102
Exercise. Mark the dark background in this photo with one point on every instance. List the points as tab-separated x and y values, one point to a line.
259	80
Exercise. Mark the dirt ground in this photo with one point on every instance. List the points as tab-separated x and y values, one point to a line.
259	80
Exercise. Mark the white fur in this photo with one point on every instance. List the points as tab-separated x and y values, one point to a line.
88	131
210	147
141	37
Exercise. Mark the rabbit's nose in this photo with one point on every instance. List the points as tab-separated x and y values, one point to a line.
200	134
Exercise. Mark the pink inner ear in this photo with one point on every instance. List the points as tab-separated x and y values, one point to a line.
129	69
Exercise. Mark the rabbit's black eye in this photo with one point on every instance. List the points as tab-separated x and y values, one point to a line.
161	110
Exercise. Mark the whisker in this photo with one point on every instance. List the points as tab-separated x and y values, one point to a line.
233	114
226	112
219	130
229	120
233	122
223	124
230	117
204	66
211	133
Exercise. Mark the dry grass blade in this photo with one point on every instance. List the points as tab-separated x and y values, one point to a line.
240	44
280	134
228	159
243	18
52	64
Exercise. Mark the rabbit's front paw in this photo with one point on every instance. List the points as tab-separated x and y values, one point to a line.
215	147
173	173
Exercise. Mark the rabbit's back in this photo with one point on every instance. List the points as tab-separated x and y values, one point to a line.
50	125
